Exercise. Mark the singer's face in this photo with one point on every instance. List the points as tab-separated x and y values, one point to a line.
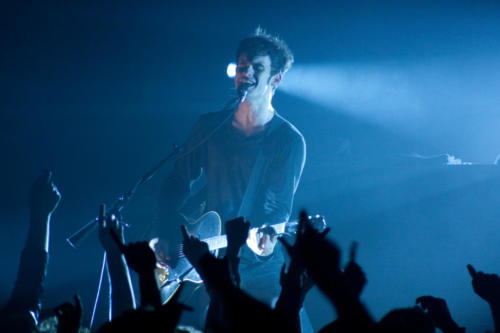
255	72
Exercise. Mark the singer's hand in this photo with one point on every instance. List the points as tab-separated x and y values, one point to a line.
262	240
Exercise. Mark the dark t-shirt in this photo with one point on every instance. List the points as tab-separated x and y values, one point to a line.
213	173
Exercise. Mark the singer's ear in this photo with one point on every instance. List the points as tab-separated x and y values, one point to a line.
276	80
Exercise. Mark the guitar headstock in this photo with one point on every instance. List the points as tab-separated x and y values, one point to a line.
318	222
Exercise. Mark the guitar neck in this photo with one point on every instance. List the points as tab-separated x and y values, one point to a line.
220	242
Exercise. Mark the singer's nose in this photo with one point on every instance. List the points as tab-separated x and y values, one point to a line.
250	71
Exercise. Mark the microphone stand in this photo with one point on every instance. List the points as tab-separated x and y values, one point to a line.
119	204
122	201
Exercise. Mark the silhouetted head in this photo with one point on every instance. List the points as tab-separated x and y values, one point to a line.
410	320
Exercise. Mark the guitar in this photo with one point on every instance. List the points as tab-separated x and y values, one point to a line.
208	229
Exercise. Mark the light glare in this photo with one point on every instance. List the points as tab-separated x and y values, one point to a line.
231	70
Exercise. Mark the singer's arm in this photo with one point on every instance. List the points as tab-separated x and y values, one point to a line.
286	160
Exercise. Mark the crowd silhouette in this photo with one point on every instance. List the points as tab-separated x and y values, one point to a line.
230	309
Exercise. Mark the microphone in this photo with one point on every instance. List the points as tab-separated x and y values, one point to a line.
243	89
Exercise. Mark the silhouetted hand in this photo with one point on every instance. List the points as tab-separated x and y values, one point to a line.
109	224
44	195
321	259
111	239
193	248
353	273
297	277
140	257
306	236
487	286
439	312
237	233
214	272
319	256
69	316
309	247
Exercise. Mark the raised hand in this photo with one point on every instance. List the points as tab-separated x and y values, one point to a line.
111	238
193	248
44	195
237	233
297	281
140	257
69	316
487	286
317	254
109	224
44	198
321	259
439	312
353	273
310	244
297	276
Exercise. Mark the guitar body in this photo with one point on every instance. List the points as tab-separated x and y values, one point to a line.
208	225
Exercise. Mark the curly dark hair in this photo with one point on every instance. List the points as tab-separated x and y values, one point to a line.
261	44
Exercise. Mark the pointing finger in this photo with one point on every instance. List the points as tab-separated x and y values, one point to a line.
471	270
353	250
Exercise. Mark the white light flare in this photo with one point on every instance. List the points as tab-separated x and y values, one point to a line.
231	70
434	100
371	92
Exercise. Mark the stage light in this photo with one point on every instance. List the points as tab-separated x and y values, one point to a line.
376	93
426	100
231	70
